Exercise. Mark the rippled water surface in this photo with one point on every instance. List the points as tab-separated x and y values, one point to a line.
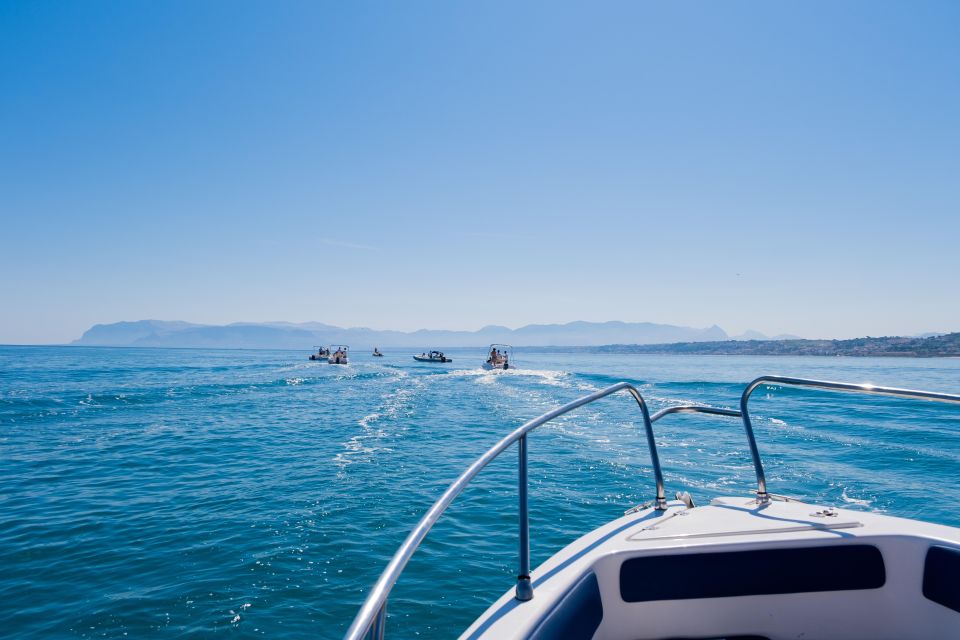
174	493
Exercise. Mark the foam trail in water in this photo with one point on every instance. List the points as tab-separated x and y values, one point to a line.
857	501
356	447
545	376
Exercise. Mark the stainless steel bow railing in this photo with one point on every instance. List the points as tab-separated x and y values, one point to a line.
762	495
695	408
371	618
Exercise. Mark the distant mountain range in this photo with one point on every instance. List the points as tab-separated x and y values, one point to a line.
285	335
611	337
925	346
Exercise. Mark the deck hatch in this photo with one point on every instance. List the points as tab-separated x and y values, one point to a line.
751	573
941	571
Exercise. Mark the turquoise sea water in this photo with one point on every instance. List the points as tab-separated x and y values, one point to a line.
192	493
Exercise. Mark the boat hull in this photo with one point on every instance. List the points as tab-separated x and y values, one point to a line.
704	572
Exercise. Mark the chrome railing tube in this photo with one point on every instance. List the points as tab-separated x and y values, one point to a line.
524	588
694	408
660	502
377	597
762	495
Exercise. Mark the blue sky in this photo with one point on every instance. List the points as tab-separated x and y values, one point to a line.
786	167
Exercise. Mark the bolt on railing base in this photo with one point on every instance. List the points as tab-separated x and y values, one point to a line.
524	589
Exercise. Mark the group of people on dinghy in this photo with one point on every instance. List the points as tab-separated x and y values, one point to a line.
321	354
499	357
433	356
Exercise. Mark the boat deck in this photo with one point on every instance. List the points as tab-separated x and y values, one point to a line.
656	576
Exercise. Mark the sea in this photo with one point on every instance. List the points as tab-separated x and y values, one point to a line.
175	493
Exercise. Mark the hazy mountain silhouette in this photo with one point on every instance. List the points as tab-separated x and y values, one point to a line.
286	335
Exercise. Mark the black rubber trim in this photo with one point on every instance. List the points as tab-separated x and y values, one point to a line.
750	573
722	638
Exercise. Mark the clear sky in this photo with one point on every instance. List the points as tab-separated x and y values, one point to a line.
785	167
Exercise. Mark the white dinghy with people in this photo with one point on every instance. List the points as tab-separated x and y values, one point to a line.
498	357
762	566
338	354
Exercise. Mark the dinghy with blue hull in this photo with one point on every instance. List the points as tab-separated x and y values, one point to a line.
433	356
